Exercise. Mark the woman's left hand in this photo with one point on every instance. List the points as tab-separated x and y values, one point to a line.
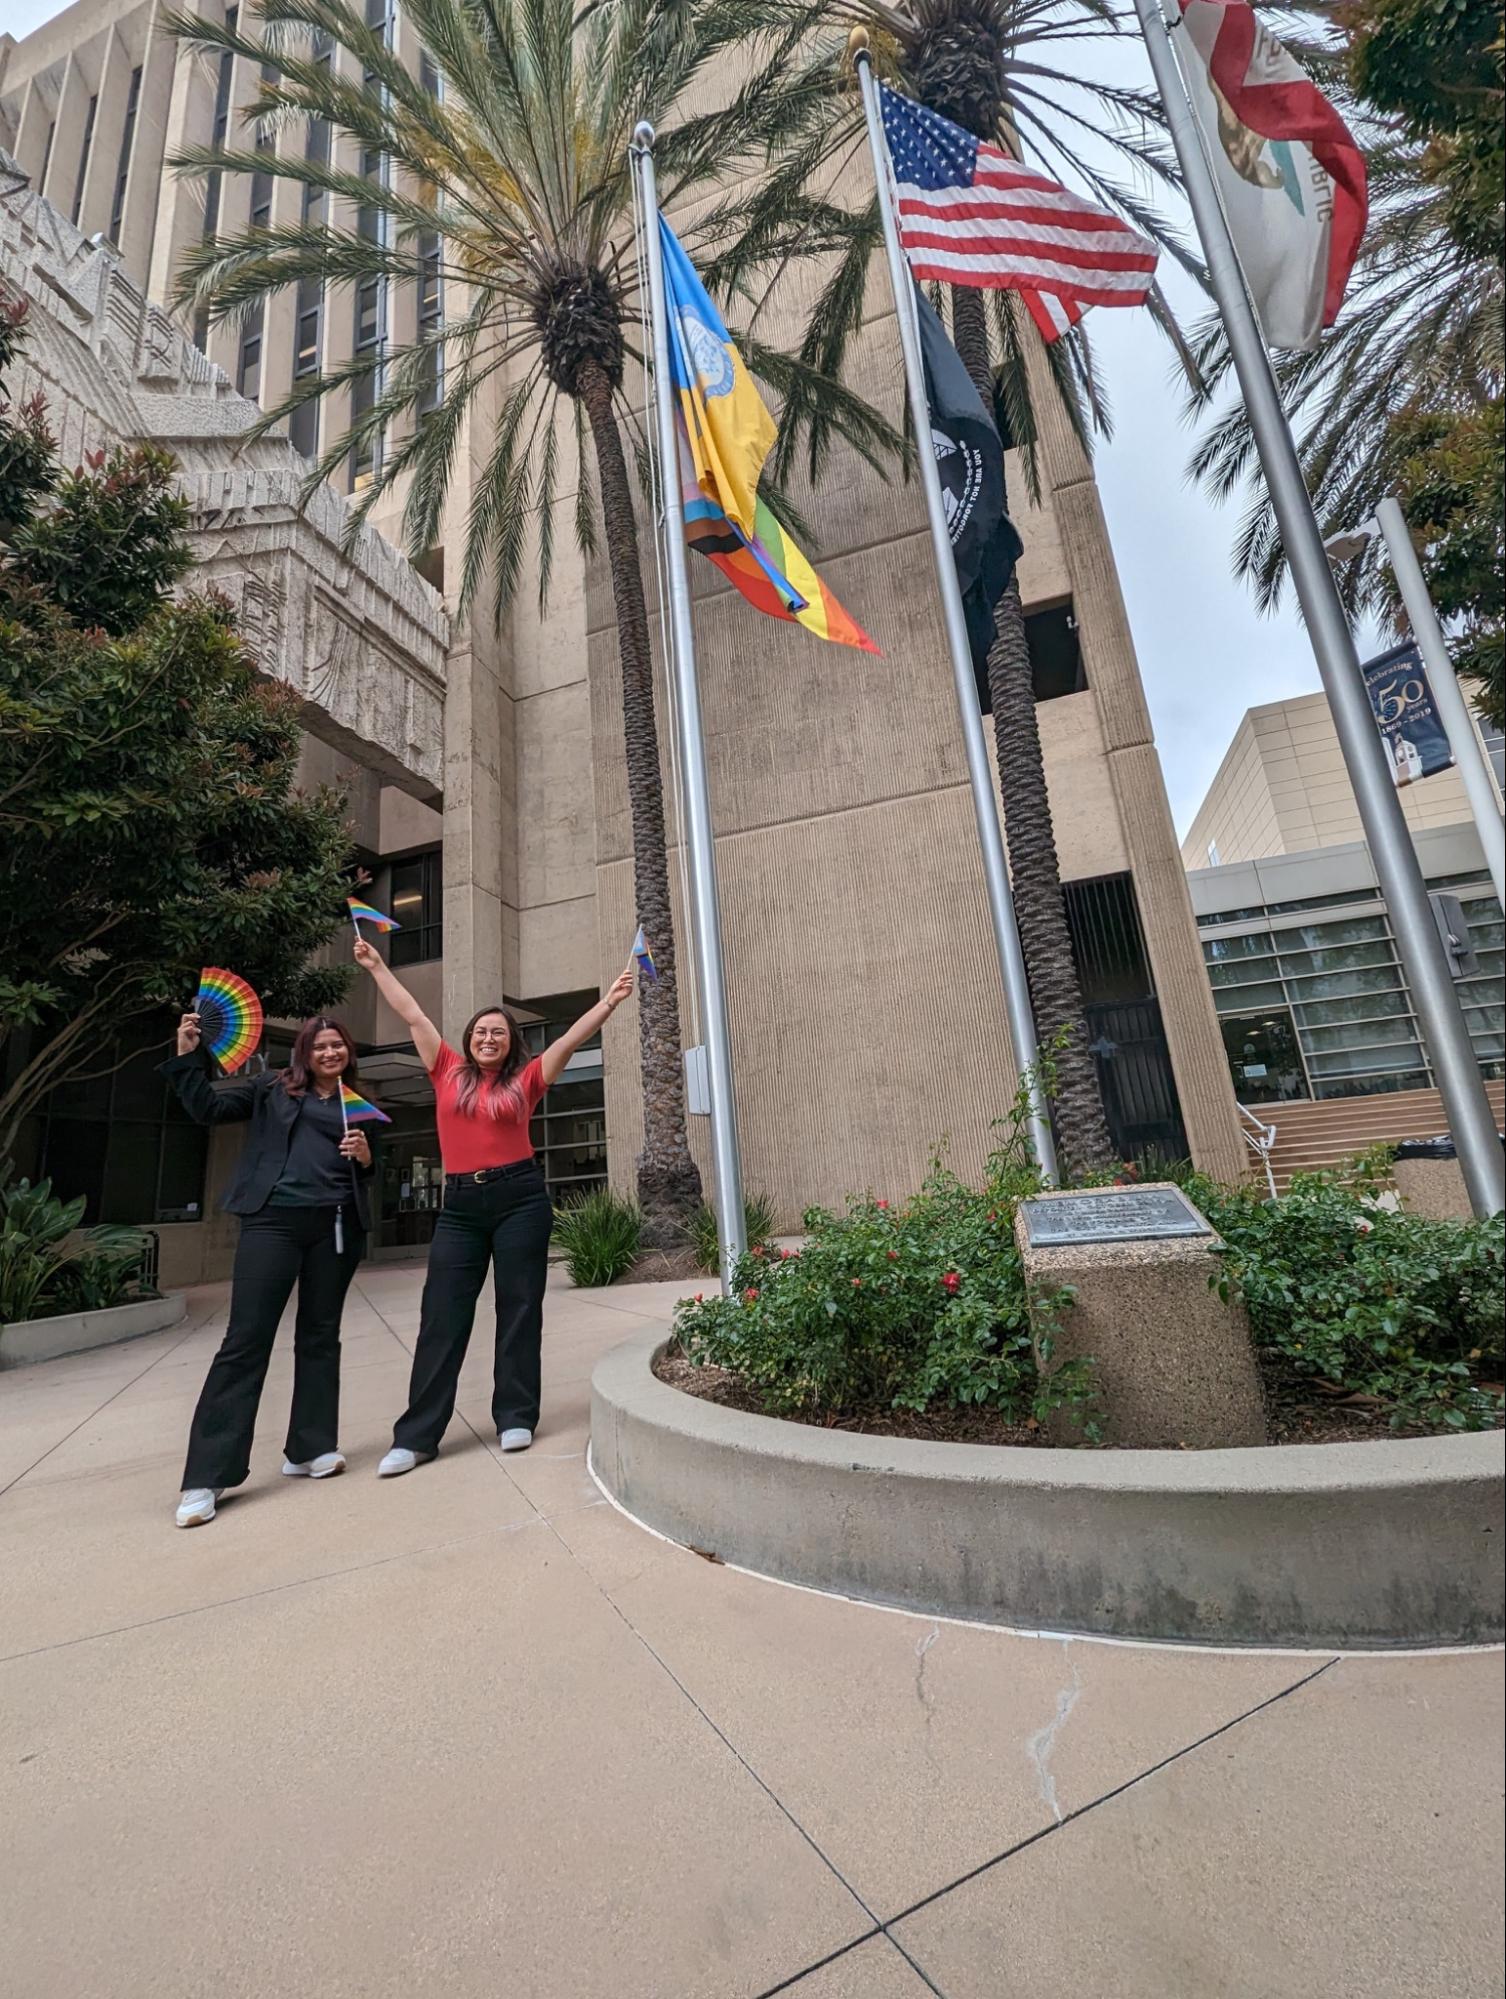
354	1146
622	988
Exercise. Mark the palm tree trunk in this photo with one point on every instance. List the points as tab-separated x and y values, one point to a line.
1035	874
669	1183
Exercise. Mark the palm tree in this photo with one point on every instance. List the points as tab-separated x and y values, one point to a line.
1008	71
1420	334
505	171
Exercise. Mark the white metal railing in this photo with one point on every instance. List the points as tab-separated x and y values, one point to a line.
1261	1139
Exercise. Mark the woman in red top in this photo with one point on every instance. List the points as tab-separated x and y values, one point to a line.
496	1214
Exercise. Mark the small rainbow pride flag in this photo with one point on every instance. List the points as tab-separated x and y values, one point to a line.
362	912
356	1110
645	957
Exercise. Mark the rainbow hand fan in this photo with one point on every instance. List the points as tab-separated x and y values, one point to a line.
230	1017
356	1110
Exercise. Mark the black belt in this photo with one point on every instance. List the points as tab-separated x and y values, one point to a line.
492	1173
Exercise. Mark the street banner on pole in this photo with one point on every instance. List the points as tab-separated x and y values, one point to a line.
1290	177
1401	696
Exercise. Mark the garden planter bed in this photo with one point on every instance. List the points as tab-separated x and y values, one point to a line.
24	1341
1297	1412
1360	1544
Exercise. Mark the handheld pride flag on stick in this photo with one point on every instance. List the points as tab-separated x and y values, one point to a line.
645	958
362	912
230	1017
355	1109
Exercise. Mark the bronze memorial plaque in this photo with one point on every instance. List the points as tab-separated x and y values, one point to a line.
1114	1214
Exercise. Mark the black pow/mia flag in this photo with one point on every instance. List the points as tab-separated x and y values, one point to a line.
970	459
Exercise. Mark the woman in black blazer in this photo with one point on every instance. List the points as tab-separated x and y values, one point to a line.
301	1191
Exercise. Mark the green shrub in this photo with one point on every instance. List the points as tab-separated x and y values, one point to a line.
42	1274
599	1235
1368	1298
916	1306
758	1227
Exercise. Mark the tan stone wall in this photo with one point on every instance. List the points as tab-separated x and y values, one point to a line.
1283	789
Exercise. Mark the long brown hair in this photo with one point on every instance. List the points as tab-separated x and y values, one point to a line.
489	1092
300	1070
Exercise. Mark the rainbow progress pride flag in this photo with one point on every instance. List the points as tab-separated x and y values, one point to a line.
362	912
726	434
357	1110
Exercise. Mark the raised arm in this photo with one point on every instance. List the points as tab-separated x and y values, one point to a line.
188	1072
425	1034
558	1053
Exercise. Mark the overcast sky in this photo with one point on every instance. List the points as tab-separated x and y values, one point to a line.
1205	653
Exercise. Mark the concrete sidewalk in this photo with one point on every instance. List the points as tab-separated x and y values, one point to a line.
471	1732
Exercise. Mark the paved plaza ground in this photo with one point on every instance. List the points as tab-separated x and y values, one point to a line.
472	1732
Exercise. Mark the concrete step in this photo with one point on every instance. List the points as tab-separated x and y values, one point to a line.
1312	1136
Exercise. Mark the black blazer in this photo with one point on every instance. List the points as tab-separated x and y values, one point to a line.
266	1104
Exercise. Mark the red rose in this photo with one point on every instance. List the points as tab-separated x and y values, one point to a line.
788	1255
756	1250
881	1204
750	1294
857	1283
893	1256
700	1297
951	1282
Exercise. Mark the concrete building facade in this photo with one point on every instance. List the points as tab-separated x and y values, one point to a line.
868	1022
1282	789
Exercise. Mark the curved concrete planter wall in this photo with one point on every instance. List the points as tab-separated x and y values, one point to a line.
1349	1545
26	1340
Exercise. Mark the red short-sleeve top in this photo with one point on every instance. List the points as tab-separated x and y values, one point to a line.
470	1144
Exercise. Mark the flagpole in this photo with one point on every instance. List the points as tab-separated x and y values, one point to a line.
980	773
1417	941
700	841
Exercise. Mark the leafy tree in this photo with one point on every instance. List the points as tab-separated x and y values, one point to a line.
147	806
1009	71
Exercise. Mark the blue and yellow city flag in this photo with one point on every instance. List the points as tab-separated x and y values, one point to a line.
729	431
725	436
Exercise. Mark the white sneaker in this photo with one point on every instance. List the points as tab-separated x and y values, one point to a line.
514	1440
197	1505
324	1466
398	1460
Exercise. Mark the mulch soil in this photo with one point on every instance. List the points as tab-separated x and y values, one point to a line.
1299	1412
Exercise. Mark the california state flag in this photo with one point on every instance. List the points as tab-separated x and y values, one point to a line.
1290	175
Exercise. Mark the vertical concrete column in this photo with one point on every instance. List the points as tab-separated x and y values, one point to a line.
114	89
68	137
31	132
151	192
1108	650
187	118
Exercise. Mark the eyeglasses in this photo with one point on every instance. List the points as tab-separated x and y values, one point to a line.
489	1034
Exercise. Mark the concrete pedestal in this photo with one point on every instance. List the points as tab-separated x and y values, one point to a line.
1173	1363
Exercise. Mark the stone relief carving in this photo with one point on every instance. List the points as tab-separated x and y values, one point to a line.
114	367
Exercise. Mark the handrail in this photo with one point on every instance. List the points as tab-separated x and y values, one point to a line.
1261	1139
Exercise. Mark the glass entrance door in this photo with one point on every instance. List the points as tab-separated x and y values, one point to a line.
412	1189
1264	1059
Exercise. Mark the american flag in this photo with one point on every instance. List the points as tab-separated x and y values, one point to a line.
971	215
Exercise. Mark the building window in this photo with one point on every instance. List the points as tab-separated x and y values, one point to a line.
430	320
1056	666
248	367
371	294
83	160
125	1143
224	83
417	902
569	1129
123	171
1213	860
308	327
308	323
